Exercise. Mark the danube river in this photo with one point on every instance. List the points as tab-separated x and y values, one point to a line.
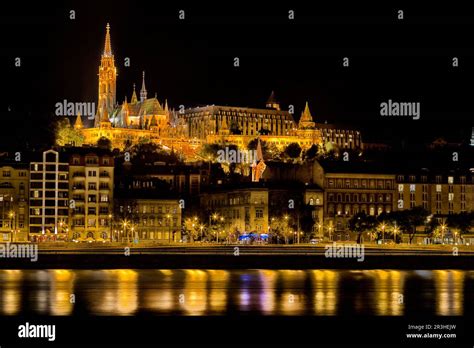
221	292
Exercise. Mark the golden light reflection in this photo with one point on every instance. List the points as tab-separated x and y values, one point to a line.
267	296
122	297
10	291
325	285
292	300
218	290
389	286
193	299
62	287
449	286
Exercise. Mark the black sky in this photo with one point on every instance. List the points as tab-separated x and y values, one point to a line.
190	62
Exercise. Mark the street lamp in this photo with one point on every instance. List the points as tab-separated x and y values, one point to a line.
110	226
125	224
12	216
395	232
443	227
201	227
383	233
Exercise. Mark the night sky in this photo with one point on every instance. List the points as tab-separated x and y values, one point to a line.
190	62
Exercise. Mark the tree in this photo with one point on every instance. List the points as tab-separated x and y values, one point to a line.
416	217
461	221
67	135
104	143
209	151
406	220
311	153
361	222
293	150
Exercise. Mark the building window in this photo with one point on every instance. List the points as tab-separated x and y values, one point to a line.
400	188
450	180
259	213
438	188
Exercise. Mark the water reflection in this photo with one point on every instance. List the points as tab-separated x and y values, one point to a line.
325	285
449	292
220	292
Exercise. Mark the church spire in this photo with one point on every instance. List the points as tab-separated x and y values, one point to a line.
272	103
143	93
108	45
134	96
78	124
107	76
306	119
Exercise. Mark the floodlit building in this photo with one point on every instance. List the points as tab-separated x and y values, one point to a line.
14	184
91	184
49	197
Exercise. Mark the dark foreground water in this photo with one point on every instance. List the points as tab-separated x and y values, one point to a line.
219	292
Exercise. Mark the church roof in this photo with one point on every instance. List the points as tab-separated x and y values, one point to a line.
151	106
272	99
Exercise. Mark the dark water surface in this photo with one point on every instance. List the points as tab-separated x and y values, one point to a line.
220	292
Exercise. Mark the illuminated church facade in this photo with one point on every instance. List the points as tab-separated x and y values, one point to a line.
186	130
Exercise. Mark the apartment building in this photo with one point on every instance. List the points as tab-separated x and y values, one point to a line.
49	197
91	192
14	185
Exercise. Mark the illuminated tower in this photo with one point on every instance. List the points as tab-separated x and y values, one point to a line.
107	76
306	120
143	92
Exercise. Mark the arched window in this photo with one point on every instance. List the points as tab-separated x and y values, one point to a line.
103	235
90	235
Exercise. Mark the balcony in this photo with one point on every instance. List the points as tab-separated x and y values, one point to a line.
79	175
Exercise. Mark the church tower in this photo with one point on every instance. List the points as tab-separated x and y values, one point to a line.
143	92
306	119
107	76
